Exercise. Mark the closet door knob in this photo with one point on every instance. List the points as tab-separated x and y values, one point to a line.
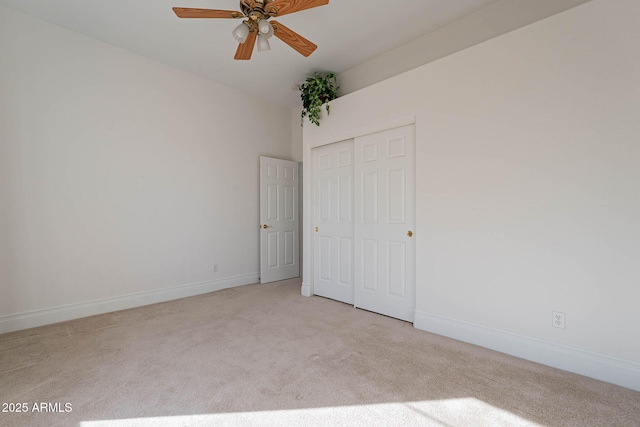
410	233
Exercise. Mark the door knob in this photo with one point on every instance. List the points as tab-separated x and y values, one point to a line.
410	233
316	229
265	226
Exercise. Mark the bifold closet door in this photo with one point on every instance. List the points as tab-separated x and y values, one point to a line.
384	202
333	221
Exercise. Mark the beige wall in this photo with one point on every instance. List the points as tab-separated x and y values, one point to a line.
122	180
497	19
492	21
528	187
296	134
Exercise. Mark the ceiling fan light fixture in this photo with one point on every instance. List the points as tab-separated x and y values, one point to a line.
265	28
258	27
263	43
241	33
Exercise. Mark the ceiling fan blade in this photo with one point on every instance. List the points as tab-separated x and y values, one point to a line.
284	7
293	39
187	12
246	49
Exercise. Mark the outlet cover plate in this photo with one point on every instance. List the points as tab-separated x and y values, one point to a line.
558	319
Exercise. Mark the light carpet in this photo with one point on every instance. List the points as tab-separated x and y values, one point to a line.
265	355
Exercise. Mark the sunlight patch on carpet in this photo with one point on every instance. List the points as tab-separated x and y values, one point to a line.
441	413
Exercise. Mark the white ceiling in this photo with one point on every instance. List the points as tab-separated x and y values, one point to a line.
348	33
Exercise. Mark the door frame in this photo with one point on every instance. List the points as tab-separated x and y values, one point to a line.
309	194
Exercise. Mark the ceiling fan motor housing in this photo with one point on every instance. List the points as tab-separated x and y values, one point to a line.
255	9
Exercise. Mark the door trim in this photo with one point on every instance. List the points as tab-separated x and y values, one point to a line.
364	131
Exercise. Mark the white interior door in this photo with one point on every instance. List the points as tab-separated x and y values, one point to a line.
333	221
279	220
384	248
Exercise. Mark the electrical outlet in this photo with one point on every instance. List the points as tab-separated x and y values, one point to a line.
558	319
215	268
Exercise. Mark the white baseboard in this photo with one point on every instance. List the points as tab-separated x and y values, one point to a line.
306	290
32	319
622	372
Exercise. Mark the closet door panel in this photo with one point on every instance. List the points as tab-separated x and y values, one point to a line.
384	255
333	221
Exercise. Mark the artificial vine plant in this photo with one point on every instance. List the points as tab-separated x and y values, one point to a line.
316	91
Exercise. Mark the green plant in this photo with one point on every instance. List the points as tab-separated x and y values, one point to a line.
316	91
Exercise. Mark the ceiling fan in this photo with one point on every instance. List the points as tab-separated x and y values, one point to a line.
257	25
